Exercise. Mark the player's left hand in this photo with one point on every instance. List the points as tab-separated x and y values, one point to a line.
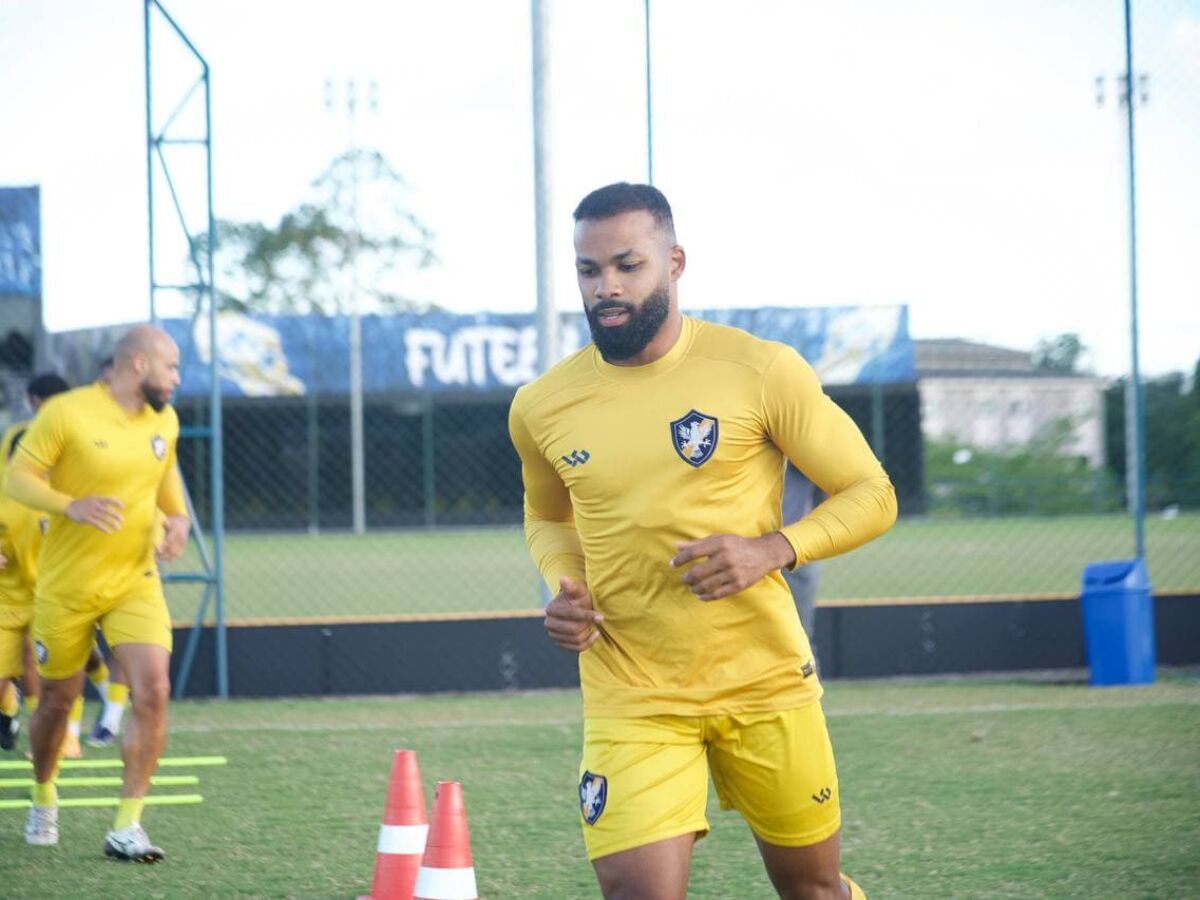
731	563
175	538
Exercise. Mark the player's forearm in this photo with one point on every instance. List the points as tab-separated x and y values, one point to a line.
170	494
555	549
848	519
28	488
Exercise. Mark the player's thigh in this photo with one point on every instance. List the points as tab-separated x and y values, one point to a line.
777	770
62	635
141	619
641	781
14	624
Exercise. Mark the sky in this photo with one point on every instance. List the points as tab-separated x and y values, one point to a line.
943	154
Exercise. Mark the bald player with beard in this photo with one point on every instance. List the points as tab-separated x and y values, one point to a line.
101	460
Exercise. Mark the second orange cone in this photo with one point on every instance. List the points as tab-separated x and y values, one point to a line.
447	871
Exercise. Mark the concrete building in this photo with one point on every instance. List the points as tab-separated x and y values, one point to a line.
994	397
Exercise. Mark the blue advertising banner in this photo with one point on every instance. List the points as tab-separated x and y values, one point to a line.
20	242
269	356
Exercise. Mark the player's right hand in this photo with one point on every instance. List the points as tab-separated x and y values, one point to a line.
102	513
570	620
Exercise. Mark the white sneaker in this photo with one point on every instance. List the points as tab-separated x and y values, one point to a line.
41	828
132	844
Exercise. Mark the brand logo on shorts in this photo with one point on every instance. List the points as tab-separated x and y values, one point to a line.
40	651
159	445
823	795
694	437
593	795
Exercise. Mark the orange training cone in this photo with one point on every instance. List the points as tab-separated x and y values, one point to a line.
402	834
447	872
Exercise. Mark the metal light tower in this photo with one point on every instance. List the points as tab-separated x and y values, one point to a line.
547	315
1132	91
350	102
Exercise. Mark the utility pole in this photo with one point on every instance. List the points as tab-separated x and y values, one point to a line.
649	105
1132	91
357	463
547	314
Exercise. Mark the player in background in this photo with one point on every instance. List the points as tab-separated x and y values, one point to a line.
21	531
653	469
101	460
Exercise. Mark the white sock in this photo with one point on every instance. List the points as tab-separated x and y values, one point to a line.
102	688
112	716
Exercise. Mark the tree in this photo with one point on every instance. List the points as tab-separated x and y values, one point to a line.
305	262
1171	414
1062	353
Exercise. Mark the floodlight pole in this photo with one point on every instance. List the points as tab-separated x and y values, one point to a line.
649	105
547	316
1135	425
357	461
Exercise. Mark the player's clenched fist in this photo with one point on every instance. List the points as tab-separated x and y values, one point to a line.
103	513
175	536
570	620
730	563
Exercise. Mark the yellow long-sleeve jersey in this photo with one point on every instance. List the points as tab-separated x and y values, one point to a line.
86	444
621	463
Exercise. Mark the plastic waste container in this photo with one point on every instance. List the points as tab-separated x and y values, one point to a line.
1118	622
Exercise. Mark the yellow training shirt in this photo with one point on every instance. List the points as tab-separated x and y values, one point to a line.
621	463
21	531
90	446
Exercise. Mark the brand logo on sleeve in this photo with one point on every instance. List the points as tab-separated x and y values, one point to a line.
694	437
577	458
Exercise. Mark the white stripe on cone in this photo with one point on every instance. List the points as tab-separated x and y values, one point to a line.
445	884
406	840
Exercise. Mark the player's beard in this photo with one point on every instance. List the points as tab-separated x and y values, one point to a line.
621	342
155	396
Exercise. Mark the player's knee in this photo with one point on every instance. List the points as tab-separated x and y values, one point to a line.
151	694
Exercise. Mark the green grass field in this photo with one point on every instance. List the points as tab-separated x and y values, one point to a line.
448	571
960	788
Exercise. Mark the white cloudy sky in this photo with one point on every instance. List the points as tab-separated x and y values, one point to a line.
945	154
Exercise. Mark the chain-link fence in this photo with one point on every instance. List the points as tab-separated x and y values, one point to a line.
1010	460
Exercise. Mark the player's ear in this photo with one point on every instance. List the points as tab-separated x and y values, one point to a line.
677	261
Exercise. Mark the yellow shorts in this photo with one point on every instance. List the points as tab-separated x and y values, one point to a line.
14	625
646	779
64	630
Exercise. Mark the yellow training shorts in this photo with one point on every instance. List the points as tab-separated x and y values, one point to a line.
644	780
64	629
14	625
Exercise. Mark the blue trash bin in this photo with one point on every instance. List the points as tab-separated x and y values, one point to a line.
1118	622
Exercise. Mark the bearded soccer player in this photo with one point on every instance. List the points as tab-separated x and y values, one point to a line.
100	459
21	532
653	466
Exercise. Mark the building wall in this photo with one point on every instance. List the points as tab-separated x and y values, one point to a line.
1007	412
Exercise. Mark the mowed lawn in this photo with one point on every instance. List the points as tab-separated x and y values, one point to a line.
951	789
472	570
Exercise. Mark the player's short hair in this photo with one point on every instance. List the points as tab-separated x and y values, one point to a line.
46	385
622	197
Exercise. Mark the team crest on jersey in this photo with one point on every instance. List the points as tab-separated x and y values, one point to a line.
40	651
695	437
593	796
159	445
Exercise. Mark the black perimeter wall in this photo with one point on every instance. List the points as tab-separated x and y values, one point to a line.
513	653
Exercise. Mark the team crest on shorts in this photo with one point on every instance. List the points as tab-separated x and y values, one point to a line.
694	437
159	446
593	795
40	651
